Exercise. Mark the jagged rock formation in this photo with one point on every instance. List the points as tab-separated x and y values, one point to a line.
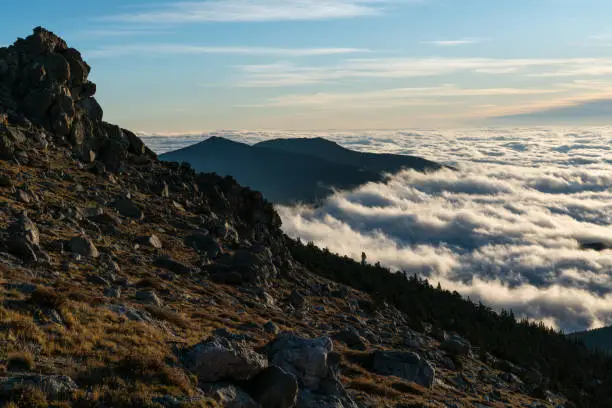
45	83
115	267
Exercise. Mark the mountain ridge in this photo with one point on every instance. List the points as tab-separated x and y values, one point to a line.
288	171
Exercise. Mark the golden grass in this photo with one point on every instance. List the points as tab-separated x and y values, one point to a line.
20	361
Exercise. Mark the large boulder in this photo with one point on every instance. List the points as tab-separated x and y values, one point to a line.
315	366
274	388
407	365
83	246
224	359
24	239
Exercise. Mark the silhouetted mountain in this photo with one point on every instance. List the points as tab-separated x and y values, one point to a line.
328	150
294	170
599	339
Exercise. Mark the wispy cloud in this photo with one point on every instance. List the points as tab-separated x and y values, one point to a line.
118	32
288	74
255	10
394	97
183	49
453	43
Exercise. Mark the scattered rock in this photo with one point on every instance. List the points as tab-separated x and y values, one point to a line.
150	240
407	365
228	395
129	209
148	297
222	359
352	338
112	292
23	197
171	265
83	246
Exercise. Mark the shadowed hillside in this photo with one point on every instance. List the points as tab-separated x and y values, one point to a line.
599	339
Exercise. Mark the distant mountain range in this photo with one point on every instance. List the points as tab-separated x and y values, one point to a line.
287	171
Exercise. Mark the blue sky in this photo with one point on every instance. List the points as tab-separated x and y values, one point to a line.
186	67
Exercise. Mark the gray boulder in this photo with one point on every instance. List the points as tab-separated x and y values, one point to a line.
223	359
407	365
148	297
150	240
83	246
306	359
24	229
456	345
24	239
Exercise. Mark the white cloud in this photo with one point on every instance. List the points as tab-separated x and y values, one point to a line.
255	10
182	49
453	43
505	228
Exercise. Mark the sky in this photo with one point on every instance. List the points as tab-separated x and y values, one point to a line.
174	67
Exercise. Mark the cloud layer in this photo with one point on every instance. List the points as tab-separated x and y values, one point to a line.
505	229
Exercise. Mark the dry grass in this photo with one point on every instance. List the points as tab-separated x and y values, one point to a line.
170	316
20	361
373	387
19	327
47	298
26	397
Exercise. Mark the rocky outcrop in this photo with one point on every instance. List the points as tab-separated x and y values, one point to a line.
222	359
407	365
44	82
315	366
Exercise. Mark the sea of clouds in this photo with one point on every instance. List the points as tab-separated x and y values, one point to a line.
505	228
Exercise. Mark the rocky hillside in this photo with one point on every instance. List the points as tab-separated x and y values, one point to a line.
129	282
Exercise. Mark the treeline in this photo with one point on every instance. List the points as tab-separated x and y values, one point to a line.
582	375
